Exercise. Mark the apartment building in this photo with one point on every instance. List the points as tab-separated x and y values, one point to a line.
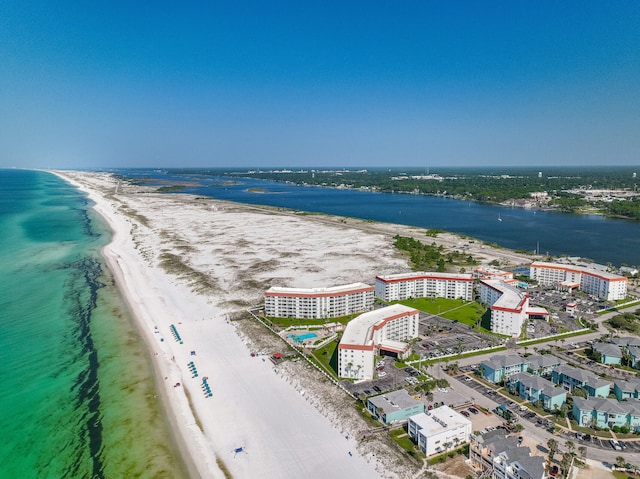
385	330
508	306
592	280
424	285
318	303
439	430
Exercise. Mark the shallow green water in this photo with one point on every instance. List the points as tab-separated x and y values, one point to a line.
77	388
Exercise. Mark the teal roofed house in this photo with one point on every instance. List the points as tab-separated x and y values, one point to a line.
570	378
626	389
395	406
501	367
604	412
538	390
609	353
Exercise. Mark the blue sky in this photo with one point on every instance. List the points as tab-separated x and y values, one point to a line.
386	83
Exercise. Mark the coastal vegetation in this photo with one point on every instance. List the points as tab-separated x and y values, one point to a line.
430	257
627	322
171	189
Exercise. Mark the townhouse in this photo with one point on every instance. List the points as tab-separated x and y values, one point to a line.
570	378
604	412
538	390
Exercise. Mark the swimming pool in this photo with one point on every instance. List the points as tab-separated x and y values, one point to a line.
298	338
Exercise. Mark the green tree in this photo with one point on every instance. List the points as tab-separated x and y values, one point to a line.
552	445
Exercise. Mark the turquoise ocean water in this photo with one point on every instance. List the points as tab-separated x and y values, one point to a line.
77	391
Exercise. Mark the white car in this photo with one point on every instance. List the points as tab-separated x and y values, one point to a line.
382	374
442	390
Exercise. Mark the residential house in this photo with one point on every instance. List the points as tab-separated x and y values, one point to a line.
604	412
500	367
395	406
609	353
626	389
493	455
538	390
630	345
570	378
543	364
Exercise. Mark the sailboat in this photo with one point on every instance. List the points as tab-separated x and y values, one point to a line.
499	219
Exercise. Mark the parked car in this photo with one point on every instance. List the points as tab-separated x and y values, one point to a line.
465	413
615	444
553	470
473	410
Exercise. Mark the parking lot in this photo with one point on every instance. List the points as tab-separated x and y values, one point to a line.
389	379
441	336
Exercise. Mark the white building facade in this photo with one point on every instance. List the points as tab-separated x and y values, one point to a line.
439	430
508	307
385	329
424	285
318	303
604	285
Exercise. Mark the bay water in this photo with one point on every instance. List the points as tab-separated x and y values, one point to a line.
77	390
592	236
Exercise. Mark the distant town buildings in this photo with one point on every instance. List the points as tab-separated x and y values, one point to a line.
383	330
318	303
439	430
591	280
424	285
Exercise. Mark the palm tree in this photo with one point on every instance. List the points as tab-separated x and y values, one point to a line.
620	462
582	450
552	444
569	444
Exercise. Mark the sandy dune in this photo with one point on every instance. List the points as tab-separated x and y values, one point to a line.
195	263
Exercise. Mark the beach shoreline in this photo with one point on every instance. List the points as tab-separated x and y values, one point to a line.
232	248
187	266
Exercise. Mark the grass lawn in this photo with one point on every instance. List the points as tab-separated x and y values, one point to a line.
625	475
466	312
401	437
328	357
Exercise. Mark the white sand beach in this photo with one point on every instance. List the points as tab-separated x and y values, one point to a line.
262	420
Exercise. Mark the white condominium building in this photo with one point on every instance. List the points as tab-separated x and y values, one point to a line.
318	303
439	430
508	306
385	329
593	281
424	285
